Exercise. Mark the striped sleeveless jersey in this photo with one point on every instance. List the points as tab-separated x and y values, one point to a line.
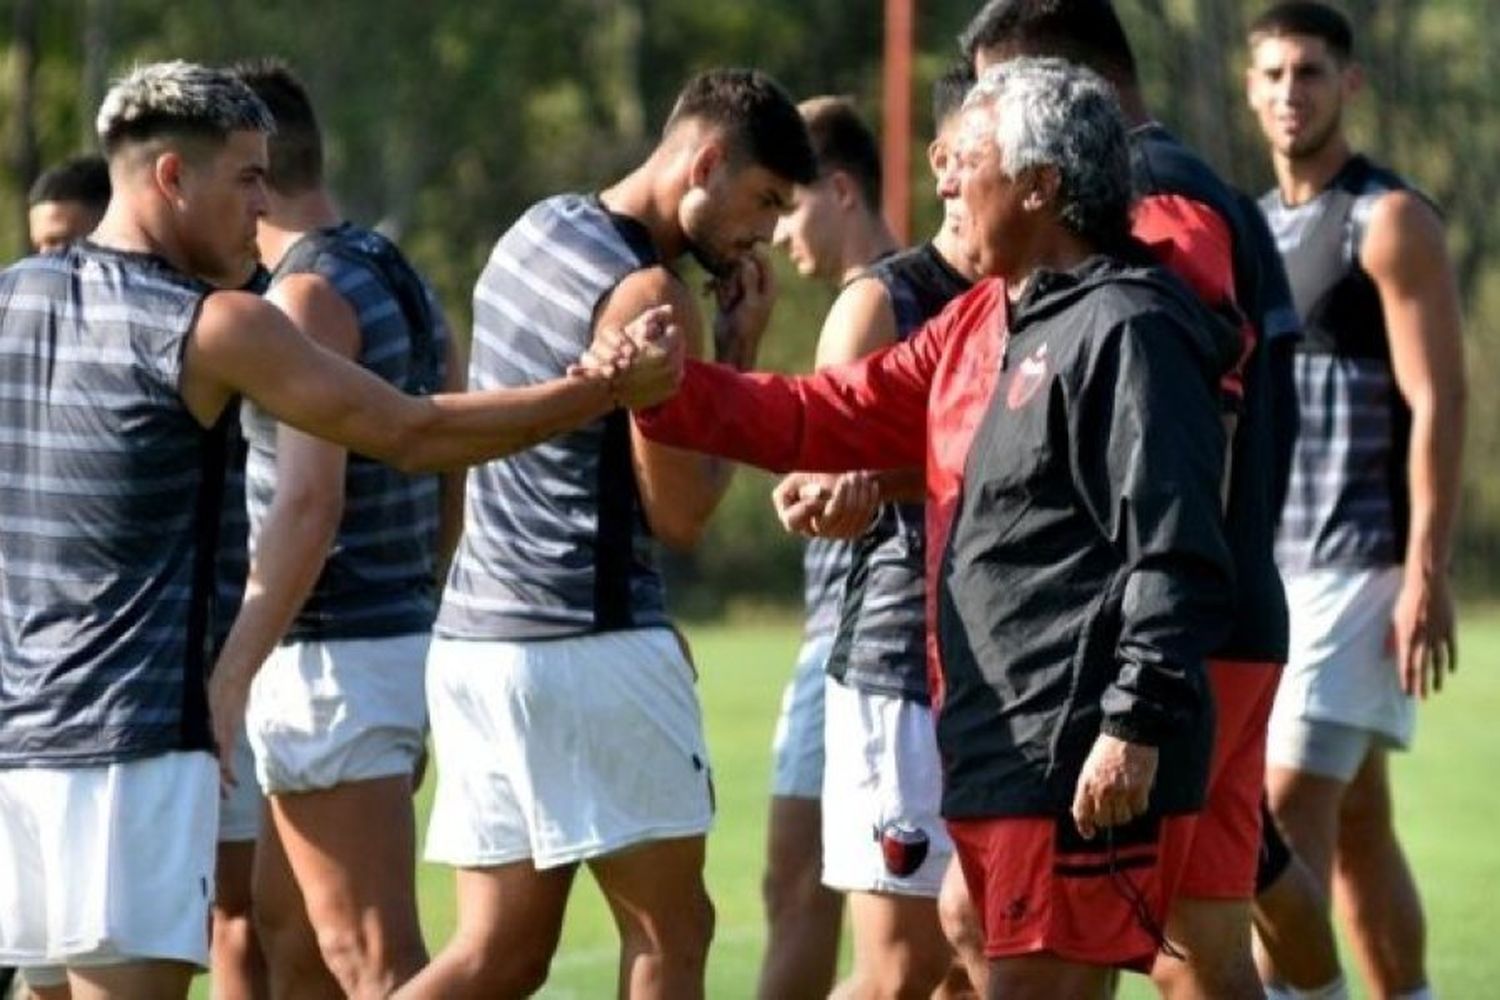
109	504
555	540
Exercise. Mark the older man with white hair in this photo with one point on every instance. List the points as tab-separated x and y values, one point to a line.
1068	415
120	359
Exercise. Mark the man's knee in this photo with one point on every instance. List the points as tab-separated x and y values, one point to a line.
959	919
790	888
498	969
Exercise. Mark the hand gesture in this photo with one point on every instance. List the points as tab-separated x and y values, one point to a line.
1422	633
744	298
228	693
826	505
642	362
1114	786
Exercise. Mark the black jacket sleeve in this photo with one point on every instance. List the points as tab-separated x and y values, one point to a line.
1149	460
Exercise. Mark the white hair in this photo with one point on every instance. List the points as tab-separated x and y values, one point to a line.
1052	113
178	97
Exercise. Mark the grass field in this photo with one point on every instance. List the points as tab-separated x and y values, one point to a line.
1448	802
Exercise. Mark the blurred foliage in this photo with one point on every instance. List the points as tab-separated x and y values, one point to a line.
445	118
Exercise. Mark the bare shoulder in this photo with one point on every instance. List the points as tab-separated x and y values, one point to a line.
1405	236
319	310
641	290
227	316
862	320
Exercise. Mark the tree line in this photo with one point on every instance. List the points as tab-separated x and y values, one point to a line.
445	119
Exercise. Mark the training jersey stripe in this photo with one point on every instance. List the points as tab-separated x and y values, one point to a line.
528	566
101	473
384	552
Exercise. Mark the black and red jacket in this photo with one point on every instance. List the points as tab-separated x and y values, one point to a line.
1085	575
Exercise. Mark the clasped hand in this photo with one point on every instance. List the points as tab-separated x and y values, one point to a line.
641	362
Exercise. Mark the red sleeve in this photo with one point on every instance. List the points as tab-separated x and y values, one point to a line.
1194	241
868	414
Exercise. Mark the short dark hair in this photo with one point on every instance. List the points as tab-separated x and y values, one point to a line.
84	179
1087	32
842	141
296	148
759	120
1316	20
949	91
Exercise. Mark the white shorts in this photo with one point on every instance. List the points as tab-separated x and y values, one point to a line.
883	771
327	713
106	865
797	747
1340	667
564	750
241	807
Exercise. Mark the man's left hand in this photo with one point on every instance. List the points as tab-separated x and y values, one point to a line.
1115	784
1422	633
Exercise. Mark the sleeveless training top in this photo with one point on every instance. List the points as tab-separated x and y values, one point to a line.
555	540
378	579
1347	498
109	505
881	645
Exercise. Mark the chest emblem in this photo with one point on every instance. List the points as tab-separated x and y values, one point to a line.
1030	376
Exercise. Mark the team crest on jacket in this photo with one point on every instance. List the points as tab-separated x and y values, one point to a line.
1029	377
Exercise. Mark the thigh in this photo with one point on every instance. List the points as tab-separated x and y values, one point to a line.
794	839
352	849
656	890
136	980
516	907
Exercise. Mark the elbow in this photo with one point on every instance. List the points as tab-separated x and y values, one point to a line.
679	533
314	517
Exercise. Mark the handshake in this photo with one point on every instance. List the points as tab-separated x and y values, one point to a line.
640	362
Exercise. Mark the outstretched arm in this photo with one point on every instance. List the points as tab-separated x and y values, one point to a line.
243	345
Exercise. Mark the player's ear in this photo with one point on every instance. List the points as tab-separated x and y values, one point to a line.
167	172
845	190
1353	75
708	156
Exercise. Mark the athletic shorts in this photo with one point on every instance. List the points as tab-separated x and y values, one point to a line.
1105	901
242	806
882	789
1226	840
1341	666
797	747
564	750
1327	749
323	714
106	865
1038	886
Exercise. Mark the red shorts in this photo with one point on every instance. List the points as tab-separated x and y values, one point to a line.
1038	886
1226	844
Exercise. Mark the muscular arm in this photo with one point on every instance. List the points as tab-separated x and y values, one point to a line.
304	515
1405	253
679	489
244	345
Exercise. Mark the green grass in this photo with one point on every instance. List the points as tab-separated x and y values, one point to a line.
1449	815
